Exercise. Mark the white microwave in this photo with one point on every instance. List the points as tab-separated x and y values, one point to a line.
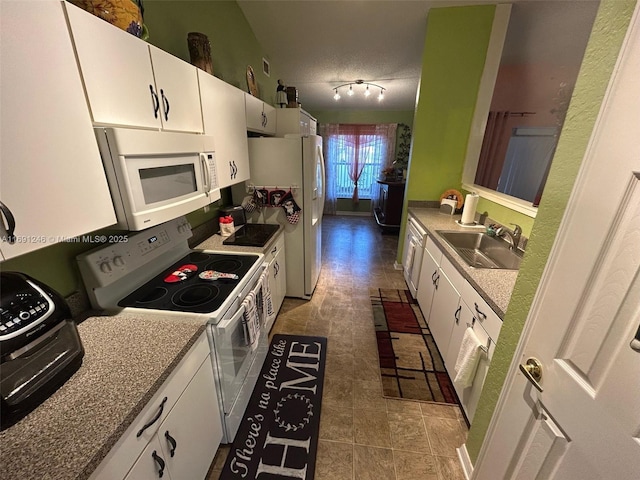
157	176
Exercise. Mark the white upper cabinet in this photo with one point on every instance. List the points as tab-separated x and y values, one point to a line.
51	176
261	117
223	114
294	120
131	83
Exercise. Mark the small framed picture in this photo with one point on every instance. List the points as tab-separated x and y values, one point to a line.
266	68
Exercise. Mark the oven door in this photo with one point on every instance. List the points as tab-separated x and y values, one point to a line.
235	347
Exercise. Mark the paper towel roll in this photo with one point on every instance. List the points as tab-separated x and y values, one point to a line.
469	209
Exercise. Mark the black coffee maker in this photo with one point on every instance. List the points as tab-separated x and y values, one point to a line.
39	345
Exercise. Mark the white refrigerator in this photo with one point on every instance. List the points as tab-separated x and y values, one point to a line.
293	163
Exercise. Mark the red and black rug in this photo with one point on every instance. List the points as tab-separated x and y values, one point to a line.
410	363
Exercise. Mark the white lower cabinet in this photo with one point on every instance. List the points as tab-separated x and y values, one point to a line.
451	305
277	273
183	417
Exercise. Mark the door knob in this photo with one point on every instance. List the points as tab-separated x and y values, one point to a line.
532	369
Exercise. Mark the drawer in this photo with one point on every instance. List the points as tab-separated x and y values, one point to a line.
275	248
489	319
433	250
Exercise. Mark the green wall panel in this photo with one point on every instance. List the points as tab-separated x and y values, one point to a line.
233	44
602	50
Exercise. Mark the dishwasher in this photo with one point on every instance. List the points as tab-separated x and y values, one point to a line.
414	242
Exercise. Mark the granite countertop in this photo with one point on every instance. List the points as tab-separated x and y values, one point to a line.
495	286
127	358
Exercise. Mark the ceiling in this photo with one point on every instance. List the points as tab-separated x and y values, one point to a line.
316	45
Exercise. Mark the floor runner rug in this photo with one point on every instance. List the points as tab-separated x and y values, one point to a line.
278	436
410	364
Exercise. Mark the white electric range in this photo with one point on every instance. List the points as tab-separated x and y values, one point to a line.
154	272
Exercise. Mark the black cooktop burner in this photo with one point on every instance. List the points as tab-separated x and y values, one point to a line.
252	235
192	294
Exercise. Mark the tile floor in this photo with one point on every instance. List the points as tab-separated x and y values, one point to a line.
362	434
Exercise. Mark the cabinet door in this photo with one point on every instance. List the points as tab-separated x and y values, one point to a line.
151	464
224	117
270	121
462	318
117	73
192	431
442	317
178	92
427	284
254	113
50	167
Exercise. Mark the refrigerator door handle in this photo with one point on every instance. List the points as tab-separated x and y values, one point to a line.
319	153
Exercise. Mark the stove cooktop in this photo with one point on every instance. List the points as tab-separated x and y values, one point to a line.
252	235
180	289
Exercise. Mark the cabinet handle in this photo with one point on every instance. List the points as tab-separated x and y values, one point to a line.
154	419
433	277
479	312
165	105
9	230
437	282
230	170
457	315
172	443
234	169
277	267
160	463
154	100
275	249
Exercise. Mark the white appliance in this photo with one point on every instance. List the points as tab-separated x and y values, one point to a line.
139	276
157	176
294	162
414	243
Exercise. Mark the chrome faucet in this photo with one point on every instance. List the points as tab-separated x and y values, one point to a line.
514	237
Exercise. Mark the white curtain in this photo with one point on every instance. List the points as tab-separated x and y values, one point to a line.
355	155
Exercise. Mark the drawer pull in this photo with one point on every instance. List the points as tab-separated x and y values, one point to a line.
172	443
479	312
160	463
275	249
154	419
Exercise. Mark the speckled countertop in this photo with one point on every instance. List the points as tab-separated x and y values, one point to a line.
127	358
495	286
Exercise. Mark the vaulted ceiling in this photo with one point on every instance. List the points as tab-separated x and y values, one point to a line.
320	44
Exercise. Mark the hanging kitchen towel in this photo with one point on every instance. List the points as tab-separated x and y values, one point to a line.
267	303
249	204
291	208
468	358
251	320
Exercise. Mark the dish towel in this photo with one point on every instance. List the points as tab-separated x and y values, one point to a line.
267	303
468	358
251	320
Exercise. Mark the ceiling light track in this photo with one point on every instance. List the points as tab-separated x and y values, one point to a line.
351	92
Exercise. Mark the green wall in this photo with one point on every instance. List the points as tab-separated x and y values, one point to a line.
233	44
452	64
600	57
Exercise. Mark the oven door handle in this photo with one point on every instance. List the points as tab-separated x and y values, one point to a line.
233	320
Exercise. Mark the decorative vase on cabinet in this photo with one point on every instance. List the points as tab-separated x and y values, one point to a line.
124	14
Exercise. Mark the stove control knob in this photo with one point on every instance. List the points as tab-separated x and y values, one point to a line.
118	261
105	267
182	228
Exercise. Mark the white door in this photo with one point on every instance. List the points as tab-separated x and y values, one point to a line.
314	199
585	423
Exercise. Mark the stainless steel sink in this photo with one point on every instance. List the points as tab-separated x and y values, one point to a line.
482	251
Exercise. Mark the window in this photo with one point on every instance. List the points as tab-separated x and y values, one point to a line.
371	151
